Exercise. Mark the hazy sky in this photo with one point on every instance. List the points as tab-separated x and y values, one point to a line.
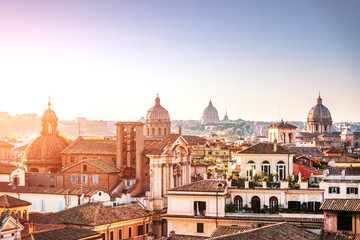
108	59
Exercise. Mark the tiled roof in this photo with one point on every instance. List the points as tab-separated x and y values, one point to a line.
351	205
208	185
87	146
306	151
201	163
6	144
225	230
168	139
99	163
39	228
282	124
7	168
349	171
64	233
186	237
194	140
149	145
281	231
7	201
50	190
266	148
44	218
339	236
95	214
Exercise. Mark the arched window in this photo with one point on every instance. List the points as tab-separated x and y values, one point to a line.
265	167
238	203
317	128
273	203
250	167
84	168
165	131
24	214
34	170
153	131
325	127
290	137
159	131
280	168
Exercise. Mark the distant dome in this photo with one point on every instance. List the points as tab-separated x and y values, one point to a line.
157	112
45	148
319	118
319	112
210	114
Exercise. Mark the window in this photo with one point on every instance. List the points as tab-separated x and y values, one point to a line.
200	227
113	160
72	159
61	205
24	214
130	233
43	205
159	131
280	168
265	167
120	234
238	203
84	158
335	190
147	228
250	167
153	131
84	178
273	203
84	168
74	179
112	235
103	236
140	230
352	190
344	221
95	179
199	208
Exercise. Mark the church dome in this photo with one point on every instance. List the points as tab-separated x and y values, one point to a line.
210	114
45	148
49	145
210	110
319	112
157	112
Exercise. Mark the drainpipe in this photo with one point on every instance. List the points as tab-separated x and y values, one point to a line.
108	232
216	209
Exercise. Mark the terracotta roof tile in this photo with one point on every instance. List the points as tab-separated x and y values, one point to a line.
64	233
50	190
99	163
266	148
351	205
208	185
6	144
86	146
7	201
225	230
282	124
187	237
95	214
7	168
194	140
339	236
44	218
281	231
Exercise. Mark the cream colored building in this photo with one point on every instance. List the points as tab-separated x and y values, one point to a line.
265	157
282	132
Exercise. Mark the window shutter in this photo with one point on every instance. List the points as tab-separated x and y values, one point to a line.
356	190
347	190
329	189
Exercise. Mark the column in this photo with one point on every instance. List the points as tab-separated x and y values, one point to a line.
166	178
171	175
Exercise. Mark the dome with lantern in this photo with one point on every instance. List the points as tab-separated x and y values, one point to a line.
157	121
319	118
210	114
43	153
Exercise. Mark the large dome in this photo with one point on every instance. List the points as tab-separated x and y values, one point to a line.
210	114
319	112
46	147
157	112
210	110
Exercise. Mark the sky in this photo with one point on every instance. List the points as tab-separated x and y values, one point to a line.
262	60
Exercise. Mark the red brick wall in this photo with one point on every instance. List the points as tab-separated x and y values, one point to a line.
66	158
105	181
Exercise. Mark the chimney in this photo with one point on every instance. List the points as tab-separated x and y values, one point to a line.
179	130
